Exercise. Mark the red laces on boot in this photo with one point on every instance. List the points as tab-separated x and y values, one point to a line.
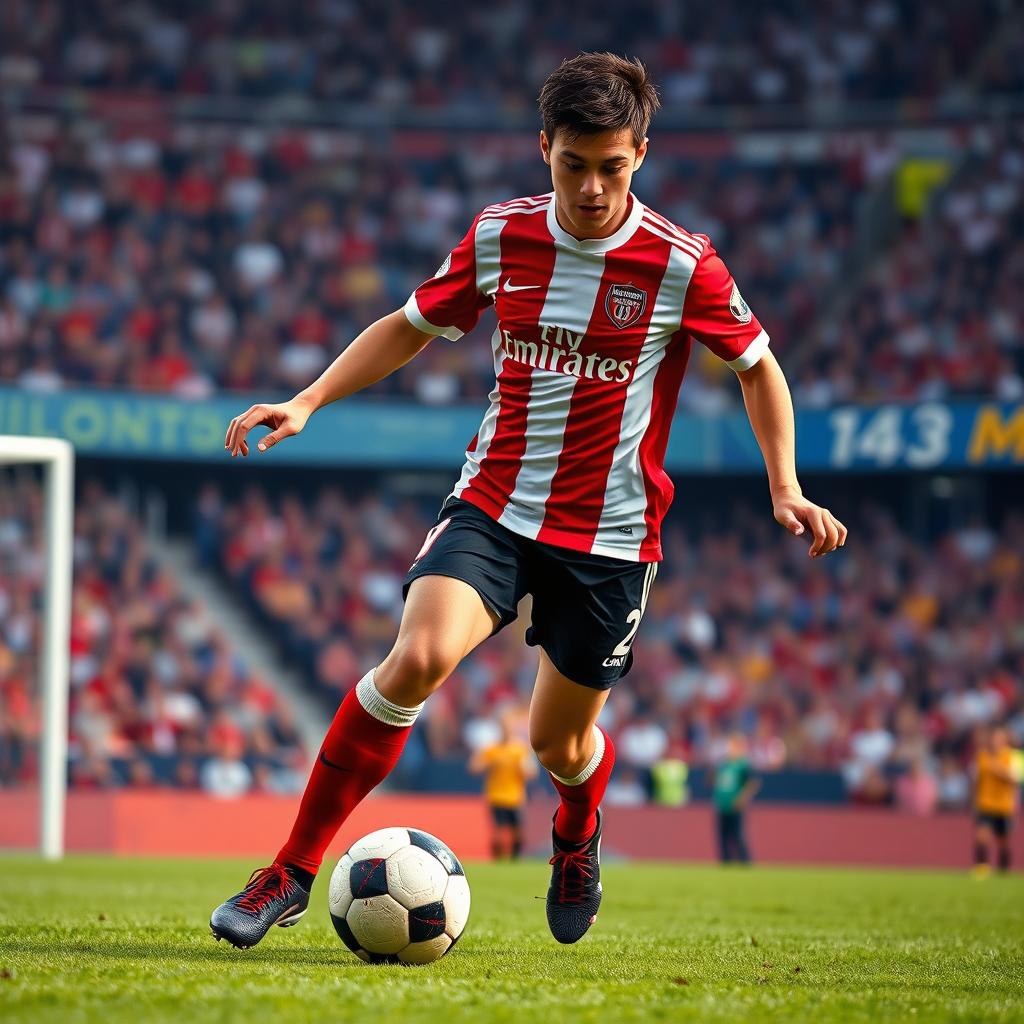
265	884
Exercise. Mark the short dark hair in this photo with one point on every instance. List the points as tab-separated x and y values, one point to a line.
598	92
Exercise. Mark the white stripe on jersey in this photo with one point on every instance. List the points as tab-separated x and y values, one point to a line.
490	422
625	491
751	354
421	323
657	229
487	246
505	214
568	303
516	204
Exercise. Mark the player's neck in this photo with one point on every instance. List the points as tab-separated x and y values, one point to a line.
605	232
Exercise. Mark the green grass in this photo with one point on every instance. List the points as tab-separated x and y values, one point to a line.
126	940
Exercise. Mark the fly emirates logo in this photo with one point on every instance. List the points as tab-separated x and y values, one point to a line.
559	350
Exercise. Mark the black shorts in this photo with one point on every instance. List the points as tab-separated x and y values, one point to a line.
999	823
506	817
586	608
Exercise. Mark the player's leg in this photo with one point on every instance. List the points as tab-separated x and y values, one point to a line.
579	757
586	612
464	584
577	753
1003	854
516	834
724	836
443	620
740	838
982	841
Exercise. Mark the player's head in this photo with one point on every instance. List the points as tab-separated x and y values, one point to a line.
596	109
998	738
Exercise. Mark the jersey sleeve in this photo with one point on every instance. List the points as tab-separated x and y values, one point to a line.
716	315
450	303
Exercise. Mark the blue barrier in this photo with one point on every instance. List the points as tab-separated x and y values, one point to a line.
387	434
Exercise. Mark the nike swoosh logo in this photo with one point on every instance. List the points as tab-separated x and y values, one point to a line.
510	287
331	764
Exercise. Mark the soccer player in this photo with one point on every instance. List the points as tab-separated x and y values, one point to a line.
507	767
995	797
599	301
734	787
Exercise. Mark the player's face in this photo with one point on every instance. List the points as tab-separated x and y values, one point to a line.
591	175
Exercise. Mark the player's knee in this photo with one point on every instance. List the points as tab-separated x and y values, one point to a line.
561	753
415	668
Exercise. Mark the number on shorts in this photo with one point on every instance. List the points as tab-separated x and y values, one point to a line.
634	617
432	534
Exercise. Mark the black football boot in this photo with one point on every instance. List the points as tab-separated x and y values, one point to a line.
574	895
272	896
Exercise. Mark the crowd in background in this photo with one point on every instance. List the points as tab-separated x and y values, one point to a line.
475	57
209	263
159	697
186	257
880	663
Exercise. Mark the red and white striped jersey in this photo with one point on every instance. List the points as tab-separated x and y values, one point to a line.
591	346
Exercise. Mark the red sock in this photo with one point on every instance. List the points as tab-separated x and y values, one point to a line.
576	817
358	752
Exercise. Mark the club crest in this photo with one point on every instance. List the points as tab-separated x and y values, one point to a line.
625	304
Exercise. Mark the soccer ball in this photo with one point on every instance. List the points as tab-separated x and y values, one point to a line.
399	896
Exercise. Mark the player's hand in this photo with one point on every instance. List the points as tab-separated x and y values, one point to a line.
285	420
797	515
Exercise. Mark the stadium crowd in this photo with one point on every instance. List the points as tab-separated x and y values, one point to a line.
474	57
881	664
189	258
158	696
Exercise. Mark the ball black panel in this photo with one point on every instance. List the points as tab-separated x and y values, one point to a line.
434	846
426	922
368	878
383	958
344	932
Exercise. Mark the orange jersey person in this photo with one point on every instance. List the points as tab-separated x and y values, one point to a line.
507	767
995	800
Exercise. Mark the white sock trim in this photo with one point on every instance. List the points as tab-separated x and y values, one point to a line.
377	705
591	764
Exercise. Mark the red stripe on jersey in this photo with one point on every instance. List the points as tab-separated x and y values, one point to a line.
657	483
572	513
491	488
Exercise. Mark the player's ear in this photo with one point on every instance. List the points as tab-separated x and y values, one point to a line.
641	152
545	147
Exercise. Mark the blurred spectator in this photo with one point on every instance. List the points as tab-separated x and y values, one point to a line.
916	790
153	684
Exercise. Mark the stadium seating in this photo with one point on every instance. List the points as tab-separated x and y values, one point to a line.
158	696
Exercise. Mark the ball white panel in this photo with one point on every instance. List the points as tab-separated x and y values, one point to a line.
379	924
382	843
425	952
339	894
456	905
415	877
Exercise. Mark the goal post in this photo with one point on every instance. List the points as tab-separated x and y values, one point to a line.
58	461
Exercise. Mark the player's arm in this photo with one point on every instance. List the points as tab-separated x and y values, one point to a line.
750	789
378	351
770	410
715	314
479	761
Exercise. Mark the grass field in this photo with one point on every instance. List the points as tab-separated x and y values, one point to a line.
104	940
